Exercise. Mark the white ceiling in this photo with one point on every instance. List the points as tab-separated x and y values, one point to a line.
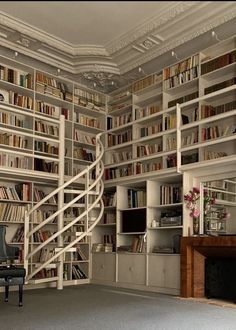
84	22
107	41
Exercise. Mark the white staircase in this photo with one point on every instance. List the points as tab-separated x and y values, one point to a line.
85	198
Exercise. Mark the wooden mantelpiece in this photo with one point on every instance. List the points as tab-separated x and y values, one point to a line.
194	250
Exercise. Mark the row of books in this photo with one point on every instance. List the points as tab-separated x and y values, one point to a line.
183	99
125	105
47	109
41	236
17	99
148	149
170	143
148	167
19	235
108	218
45	254
180	67
91	97
136	198
40	215
46	80
149	130
102	247
117	121
218	62
138	245
46	273
146	111
46	147
171	161
9	193
214	132
110	199
114	173
78	273
12	213
118	157
87	121
84	138
80	254
193	116
170	194
213	154
122	95
119	138
16	77
13	140
153	79
42	165
181	78
10	119
15	161
209	110
170	121
40	194
43	127
190	139
83	154
55	92
219	86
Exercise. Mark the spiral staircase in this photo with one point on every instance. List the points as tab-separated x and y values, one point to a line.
82	192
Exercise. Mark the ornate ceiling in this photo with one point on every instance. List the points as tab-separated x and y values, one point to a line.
147	42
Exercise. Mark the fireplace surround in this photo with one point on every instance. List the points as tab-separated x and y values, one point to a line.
194	251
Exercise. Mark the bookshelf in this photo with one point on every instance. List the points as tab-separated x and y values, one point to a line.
150	141
31	103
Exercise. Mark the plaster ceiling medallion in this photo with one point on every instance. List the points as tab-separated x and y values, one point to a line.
24	41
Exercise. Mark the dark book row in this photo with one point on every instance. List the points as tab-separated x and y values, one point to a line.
119	138
218	62
220	86
183	99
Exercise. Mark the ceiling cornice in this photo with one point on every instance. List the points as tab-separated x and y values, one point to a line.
175	9
181	22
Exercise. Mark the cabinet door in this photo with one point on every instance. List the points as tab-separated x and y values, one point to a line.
156	271
103	267
172	272
131	268
164	271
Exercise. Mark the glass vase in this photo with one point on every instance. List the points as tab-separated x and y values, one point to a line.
195	226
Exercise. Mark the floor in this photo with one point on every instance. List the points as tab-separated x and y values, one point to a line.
94	307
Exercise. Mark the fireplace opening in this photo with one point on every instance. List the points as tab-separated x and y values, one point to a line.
220	278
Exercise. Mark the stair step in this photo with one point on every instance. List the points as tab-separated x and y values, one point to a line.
83	205
75	191
43	280
50	266
69	250
78	233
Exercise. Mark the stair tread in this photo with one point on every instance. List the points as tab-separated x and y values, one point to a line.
43	280
78	191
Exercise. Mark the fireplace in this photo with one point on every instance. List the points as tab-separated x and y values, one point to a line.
198	254
220	278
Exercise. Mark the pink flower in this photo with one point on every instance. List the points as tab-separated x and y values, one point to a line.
196	190
195	213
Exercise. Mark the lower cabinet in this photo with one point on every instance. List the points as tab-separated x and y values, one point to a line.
132	269
164	271
104	267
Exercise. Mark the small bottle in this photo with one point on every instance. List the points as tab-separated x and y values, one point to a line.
154	223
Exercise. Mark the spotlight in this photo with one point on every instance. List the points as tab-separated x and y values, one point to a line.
58	71
214	35
15	54
173	54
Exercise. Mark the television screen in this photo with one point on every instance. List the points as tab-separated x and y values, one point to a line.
133	220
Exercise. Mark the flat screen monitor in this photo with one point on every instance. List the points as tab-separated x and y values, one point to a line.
133	220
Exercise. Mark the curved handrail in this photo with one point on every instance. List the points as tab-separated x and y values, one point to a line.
86	170
75	178
96	182
58	233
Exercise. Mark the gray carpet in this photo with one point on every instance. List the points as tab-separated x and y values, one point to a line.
93	307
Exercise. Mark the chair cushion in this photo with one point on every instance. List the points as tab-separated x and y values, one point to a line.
12	272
